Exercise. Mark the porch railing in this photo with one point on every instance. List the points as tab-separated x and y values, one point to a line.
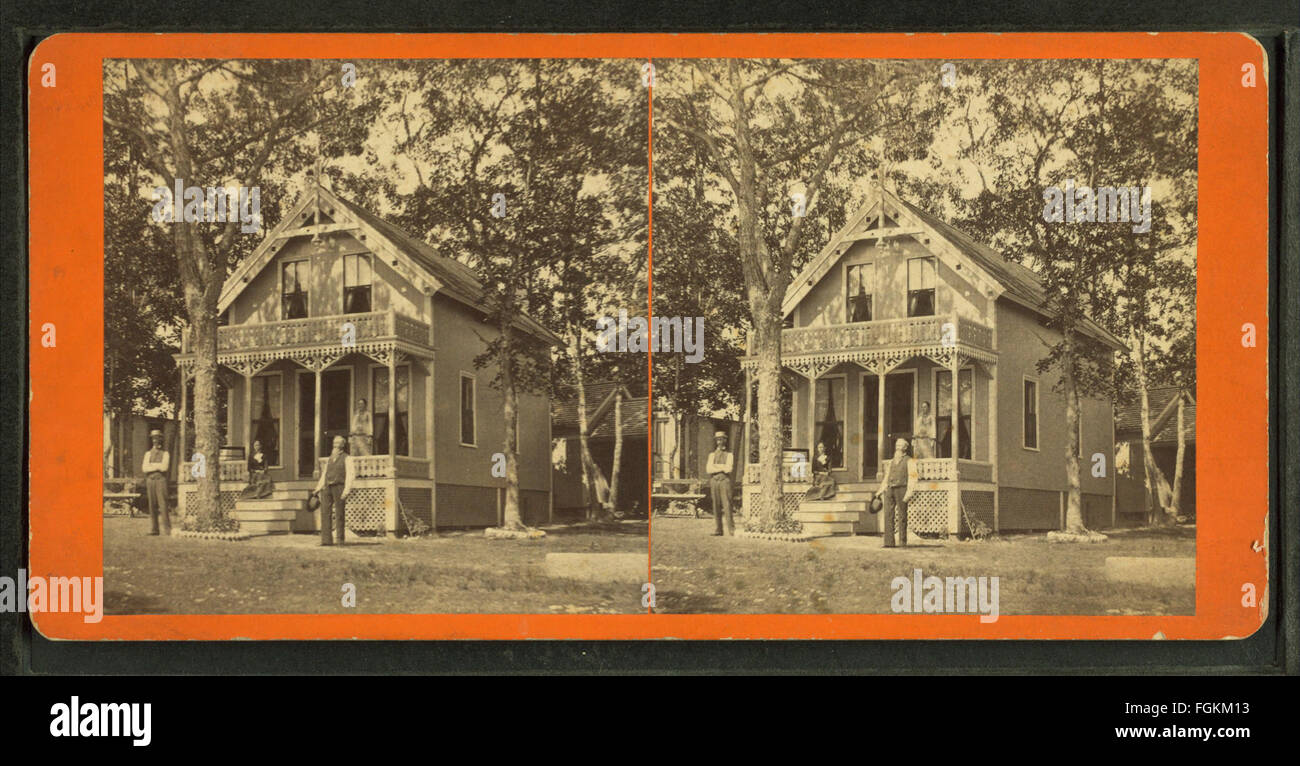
387	467
315	331
887	333
227	471
933	469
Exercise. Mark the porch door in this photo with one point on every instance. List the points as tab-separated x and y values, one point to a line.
306	424
336	398
899	405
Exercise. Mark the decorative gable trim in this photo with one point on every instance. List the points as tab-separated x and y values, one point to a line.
885	204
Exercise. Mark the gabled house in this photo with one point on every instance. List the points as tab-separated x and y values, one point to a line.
895	307
1132	503
571	497
339	311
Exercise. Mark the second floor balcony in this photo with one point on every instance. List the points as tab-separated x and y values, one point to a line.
319	331
942	330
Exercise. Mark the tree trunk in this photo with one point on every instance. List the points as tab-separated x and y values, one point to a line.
1074	496
206	514
618	449
767	343
1175	504
1157	488
511	518
584	449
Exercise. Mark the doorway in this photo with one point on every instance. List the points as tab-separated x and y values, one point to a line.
900	411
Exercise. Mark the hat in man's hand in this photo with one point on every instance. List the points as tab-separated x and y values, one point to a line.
877	504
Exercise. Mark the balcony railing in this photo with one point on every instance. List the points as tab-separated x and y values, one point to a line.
228	471
887	333
319	331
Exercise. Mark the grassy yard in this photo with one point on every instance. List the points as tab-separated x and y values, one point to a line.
697	573
289	574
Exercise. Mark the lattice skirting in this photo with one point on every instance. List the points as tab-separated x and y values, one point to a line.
928	512
366	509
226	503
789	502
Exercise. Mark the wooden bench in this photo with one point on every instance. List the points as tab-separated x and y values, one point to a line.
677	497
120	496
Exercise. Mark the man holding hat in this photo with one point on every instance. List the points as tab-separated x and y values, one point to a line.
154	468
896	487
719	469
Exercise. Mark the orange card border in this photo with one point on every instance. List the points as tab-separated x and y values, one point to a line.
66	221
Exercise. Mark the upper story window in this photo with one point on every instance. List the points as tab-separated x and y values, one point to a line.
920	287
860	281
468	411
1029	418
356	284
293	290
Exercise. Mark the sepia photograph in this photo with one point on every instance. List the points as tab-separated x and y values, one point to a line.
951	336
350	362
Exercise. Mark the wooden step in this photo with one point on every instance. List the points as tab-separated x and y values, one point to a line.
827	528
275	514
271	504
265	527
830	506
805	515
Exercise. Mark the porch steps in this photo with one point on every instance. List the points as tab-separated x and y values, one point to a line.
274	515
826	518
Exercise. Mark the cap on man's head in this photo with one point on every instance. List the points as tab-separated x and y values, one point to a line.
155	432
720	435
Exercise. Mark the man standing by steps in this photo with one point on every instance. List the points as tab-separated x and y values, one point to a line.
896	487
333	488
719	469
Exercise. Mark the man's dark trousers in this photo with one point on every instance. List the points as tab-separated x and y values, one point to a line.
720	486
331	505
895	516
156	489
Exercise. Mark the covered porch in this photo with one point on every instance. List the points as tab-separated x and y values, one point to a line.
283	386
856	389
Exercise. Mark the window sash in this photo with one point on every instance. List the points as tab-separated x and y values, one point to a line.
468	411
293	294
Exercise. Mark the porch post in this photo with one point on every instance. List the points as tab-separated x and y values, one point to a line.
392	409
248	416
880	419
315	442
956	420
744	431
181	457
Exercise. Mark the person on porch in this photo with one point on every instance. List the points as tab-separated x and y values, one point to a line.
333	488
155	465
923	433
259	476
823	484
363	430
719	468
896	487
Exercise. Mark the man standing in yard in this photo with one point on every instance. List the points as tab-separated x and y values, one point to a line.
333	488
155	465
896	487
719	470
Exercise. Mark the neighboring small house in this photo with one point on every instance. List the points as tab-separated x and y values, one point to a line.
1132	503
897	307
126	439
687	460
339	313
570	495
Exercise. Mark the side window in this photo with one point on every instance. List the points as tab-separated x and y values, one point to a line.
468	411
293	290
1030	410
357	281
859	285
920	287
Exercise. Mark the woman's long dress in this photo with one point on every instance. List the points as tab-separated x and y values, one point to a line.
823	486
259	480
